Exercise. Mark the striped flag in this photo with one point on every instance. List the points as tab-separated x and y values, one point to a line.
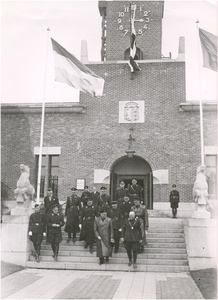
134	66
69	70
209	49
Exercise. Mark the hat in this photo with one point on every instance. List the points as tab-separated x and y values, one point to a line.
73	189
54	206
86	187
136	198
49	189
36	205
173	185
134	179
114	202
103	210
103	188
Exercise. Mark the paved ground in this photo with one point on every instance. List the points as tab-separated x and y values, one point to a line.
68	284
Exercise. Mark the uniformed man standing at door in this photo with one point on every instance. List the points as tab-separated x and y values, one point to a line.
135	190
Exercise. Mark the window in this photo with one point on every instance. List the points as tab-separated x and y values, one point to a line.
211	167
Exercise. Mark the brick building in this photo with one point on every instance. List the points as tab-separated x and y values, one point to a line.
148	116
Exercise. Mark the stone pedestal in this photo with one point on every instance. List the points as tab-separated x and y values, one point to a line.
201	243
201	212
15	242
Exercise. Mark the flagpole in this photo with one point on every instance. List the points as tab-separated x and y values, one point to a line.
42	121
200	100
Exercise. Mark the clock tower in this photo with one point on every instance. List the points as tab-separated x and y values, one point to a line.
116	29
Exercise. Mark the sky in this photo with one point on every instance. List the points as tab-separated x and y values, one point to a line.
27	66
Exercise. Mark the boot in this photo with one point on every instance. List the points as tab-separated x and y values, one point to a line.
130	263
101	260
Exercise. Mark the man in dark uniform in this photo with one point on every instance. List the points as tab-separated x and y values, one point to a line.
88	214
95	197
49	201
125	207
116	218
37	230
55	222
105	200
174	200
85	195
121	191
132	237
142	214
72	213
135	190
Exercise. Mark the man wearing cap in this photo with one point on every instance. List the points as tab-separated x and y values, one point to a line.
104	234
72	213
174	200
121	191
105	200
132	237
49	201
55	222
135	190
142	214
37	230
125	207
85	195
88	214
116	217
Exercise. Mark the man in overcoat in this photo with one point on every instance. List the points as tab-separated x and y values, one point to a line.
37	230
142	214
104	236
174	200
72	213
132	237
55	222
116	218
88	214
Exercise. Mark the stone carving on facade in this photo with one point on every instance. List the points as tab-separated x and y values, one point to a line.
200	190
24	191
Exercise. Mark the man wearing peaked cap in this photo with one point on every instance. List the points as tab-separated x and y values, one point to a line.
116	216
104	199
174	200
85	195
135	190
121	192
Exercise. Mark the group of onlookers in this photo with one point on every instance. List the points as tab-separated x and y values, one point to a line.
96	218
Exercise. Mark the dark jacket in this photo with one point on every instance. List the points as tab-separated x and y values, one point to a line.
37	223
55	219
48	204
116	218
142	213
85	196
131	231
125	208
174	196
74	201
120	193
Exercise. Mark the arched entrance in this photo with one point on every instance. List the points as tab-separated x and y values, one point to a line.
125	169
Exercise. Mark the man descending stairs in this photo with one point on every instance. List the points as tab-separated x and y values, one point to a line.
165	251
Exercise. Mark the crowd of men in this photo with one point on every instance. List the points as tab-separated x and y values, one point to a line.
97	219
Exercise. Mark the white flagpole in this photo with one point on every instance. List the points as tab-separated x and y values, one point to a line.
201	107
42	122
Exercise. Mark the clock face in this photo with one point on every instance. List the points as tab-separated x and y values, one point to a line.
142	19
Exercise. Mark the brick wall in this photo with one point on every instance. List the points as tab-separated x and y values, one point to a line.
168	137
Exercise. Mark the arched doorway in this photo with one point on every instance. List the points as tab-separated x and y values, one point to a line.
125	169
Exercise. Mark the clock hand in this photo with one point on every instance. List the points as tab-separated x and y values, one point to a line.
140	20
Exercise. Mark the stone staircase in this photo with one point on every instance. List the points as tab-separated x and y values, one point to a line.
165	252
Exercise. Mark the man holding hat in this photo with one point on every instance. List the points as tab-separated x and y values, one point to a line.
37	230
105	200
132	237
121	191
104	234
72	213
116	217
55	222
174	200
142	214
88	214
85	195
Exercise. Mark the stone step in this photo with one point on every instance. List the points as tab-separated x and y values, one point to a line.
120	254
106	267
113	260
148	235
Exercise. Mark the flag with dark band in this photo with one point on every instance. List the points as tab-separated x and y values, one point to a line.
134	66
209	49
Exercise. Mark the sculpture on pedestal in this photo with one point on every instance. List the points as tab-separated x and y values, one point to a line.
24	191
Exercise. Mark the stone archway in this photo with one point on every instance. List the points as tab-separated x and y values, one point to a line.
125	169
